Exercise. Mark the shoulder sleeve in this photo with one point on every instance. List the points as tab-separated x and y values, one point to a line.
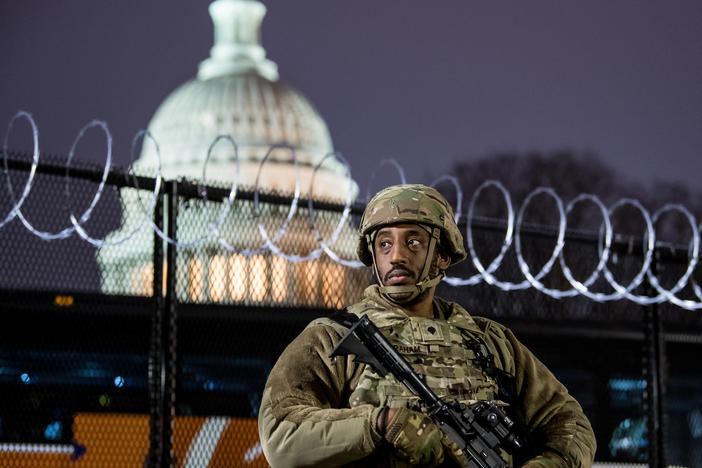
561	433
304	418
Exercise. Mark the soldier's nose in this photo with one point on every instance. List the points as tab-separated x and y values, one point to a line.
397	254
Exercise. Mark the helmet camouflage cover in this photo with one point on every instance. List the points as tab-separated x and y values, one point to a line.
415	204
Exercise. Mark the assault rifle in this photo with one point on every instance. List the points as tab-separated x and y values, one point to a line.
478	430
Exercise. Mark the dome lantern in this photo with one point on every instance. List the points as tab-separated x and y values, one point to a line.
237	48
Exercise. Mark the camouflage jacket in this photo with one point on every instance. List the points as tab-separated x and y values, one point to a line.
318	413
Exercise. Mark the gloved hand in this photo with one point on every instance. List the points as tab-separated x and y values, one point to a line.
415	437
453	452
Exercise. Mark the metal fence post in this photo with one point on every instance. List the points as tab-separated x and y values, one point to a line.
155	355
168	339
162	357
654	357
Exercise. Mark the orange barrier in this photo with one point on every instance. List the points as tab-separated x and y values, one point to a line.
122	440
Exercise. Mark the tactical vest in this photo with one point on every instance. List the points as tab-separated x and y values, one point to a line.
437	350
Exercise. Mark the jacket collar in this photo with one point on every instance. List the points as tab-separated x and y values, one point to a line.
384	313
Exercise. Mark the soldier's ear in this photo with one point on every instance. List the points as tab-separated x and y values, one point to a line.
443	260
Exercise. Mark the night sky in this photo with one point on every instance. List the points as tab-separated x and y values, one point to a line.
426	85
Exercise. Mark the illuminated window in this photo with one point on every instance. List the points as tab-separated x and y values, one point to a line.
279	279
142	279
217	278
306	274
237	277
258	278
197	280
333	285
136	281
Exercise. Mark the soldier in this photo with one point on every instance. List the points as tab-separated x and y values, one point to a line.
316	412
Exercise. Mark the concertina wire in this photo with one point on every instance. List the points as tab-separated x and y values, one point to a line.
484	273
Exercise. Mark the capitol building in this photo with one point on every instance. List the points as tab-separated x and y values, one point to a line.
237	93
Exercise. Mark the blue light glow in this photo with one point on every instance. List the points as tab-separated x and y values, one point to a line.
26	378
629	439
119	381
626	385
694	419
53	431
208	385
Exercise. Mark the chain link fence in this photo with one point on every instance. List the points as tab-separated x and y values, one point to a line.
152	350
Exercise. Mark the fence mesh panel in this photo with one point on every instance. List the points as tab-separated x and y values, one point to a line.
73	362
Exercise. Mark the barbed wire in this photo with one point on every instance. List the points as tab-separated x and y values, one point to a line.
512	237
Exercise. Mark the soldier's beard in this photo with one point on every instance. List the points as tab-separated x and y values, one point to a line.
401	298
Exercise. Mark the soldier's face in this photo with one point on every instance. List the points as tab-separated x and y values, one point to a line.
400	252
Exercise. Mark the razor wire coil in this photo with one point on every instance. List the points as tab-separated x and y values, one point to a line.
512	237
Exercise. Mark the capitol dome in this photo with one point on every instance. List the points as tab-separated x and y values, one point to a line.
237	93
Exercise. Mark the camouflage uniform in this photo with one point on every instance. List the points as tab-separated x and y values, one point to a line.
316	412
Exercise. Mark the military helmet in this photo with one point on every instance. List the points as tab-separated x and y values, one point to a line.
416	204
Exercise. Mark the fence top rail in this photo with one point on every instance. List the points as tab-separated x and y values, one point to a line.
188	189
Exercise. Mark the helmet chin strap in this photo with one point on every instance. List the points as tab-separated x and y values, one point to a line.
424	282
